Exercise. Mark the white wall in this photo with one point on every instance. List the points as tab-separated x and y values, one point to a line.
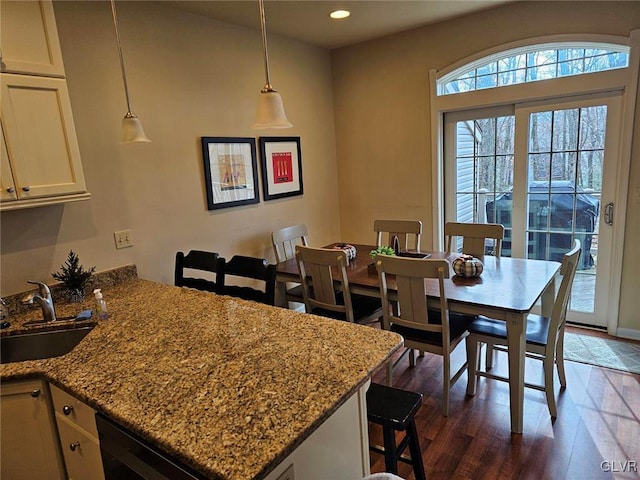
189	76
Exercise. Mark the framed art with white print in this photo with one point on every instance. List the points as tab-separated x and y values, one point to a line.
231	171
281	162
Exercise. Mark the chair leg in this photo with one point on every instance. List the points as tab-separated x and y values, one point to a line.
489	356
416	453
412	357
561	373
560	359
389	372
390	450
473	359
446	384
549	389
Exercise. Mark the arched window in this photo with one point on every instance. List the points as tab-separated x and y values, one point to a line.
533	63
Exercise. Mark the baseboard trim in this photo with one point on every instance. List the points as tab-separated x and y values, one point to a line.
628	333
586	326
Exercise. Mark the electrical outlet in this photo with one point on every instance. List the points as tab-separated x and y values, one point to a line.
123	239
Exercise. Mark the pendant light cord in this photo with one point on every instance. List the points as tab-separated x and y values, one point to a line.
124	75
263	27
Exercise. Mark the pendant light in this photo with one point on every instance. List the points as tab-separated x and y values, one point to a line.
270	112
132	131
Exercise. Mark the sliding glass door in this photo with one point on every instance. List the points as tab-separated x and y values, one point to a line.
545	171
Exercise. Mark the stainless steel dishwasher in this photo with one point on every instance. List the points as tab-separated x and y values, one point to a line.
127	457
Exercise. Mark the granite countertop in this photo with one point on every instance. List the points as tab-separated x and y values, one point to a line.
209	378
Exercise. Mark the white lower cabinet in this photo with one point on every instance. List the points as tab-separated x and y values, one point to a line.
337	450
78	436
81	451
30	447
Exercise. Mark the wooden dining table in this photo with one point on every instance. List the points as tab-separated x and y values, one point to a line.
507	290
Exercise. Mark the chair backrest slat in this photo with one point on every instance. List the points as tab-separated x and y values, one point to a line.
474	236
402	229
285	240
411	295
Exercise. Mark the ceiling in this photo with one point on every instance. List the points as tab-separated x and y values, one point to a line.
308	20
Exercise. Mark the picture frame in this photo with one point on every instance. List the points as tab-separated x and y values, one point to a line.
231	171
281	166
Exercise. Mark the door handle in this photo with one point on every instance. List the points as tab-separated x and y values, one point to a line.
608	214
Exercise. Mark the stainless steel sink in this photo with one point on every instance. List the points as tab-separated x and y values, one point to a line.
39	345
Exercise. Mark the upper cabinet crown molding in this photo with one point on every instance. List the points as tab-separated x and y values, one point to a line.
29	38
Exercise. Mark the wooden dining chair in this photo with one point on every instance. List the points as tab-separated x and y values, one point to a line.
321	297
284	243
433	331
473	237
544	337
251	268
198	260
400	229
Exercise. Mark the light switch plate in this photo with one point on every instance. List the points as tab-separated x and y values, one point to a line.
123	239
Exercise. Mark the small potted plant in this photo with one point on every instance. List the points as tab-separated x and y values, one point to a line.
74	277
382	250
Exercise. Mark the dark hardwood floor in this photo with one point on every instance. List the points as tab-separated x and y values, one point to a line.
596	434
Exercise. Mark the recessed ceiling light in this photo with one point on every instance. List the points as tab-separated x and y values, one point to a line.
338	14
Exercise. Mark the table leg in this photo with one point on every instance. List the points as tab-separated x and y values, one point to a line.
281	294
516	340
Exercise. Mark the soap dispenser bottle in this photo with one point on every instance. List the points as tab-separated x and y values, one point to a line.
101	305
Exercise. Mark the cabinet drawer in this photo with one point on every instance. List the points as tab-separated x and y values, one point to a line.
81	452
69	408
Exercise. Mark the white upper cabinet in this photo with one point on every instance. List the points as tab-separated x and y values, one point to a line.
29	38
42	146
8	191
40	162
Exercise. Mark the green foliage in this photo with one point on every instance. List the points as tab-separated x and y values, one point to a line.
382	250
73	275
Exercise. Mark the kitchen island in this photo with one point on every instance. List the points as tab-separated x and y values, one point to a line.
228	387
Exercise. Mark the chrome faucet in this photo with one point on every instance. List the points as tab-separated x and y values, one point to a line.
44	299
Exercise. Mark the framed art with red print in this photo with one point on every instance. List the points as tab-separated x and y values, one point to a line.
281	163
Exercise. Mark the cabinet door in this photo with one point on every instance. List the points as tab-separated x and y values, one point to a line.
40	136
81	452
29	38
27	432
8	192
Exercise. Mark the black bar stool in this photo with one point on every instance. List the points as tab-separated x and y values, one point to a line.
395	410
